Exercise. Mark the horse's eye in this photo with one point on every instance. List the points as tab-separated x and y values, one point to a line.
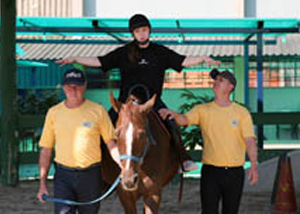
141	132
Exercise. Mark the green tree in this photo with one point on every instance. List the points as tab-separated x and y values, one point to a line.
192	135
37	102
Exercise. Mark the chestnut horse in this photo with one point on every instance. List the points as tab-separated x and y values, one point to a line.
149	161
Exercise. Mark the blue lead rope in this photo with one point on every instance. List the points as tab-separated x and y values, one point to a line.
113	186
74	203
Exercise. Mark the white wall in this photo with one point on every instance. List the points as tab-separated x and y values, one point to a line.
278	8
170	8
194	8
50	8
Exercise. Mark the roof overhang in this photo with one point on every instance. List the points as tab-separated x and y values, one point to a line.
182	29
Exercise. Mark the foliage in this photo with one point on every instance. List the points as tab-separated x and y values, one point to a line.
37	102
34	102
192	135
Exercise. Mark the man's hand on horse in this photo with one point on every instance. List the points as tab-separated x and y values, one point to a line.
166	114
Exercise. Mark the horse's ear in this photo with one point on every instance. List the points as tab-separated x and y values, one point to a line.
115	103
146	107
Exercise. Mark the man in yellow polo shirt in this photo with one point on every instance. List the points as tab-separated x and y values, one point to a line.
73	127
228	134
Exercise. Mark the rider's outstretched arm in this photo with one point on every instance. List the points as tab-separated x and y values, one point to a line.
86	61
195	60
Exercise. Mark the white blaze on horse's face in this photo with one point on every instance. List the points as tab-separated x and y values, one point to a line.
129	142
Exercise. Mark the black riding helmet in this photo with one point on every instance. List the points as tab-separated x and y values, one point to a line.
138	20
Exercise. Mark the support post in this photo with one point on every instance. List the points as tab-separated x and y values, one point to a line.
260	103
246	72
8	143
240	77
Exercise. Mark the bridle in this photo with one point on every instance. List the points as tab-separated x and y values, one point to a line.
134	158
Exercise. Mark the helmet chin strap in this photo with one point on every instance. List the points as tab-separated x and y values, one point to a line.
141	42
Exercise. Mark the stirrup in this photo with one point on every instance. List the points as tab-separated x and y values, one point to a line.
188	166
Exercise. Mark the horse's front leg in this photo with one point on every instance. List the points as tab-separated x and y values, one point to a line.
151	203
128	200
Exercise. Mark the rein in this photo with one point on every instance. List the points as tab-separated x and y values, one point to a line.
74	203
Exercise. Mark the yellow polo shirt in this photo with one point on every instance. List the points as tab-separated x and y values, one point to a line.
75	133
224	130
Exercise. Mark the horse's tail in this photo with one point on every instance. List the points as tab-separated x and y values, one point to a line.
180	188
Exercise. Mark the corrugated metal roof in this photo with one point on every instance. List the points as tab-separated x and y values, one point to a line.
286	46
40	77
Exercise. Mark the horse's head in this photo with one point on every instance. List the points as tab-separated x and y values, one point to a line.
133	142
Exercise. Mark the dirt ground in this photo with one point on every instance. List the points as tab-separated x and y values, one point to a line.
22	199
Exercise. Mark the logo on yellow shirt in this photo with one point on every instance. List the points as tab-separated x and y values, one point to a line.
87	124
234	122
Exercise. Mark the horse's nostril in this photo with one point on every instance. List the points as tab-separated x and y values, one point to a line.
135	178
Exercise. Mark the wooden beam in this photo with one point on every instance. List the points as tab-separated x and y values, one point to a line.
266	118
9	146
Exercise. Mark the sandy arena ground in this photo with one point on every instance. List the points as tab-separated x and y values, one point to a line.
22	199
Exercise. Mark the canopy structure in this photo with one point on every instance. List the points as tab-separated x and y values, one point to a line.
257	32
160	27
184	31
27	63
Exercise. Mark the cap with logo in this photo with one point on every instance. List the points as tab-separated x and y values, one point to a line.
225	74
73	76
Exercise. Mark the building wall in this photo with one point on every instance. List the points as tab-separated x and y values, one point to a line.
160	9
278	8
50	8
198	8
171	9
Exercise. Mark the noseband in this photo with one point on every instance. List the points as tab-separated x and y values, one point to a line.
134	158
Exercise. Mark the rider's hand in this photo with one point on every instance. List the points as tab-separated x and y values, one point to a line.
66	61
211	61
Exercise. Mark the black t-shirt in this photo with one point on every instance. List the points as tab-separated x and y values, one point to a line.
149	69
